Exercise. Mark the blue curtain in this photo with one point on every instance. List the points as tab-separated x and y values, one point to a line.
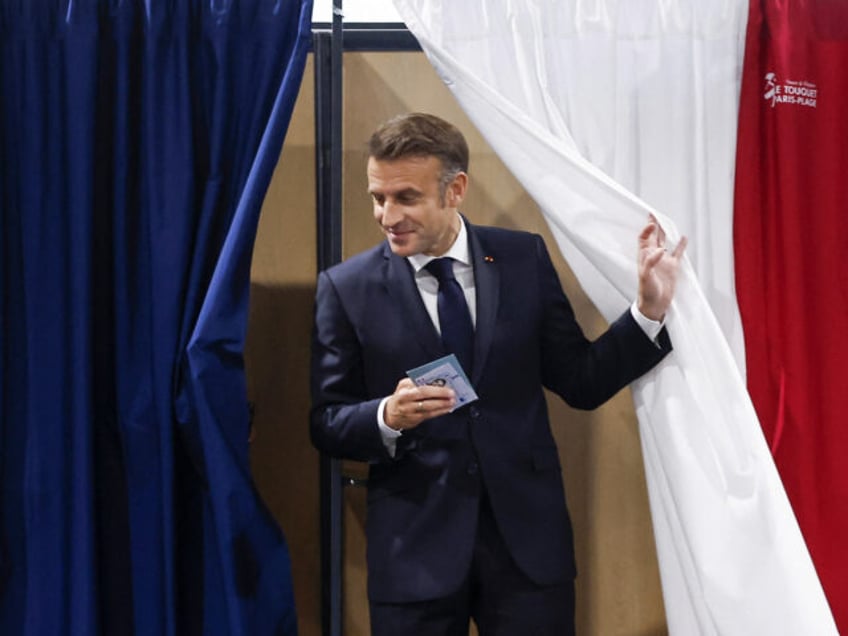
137	141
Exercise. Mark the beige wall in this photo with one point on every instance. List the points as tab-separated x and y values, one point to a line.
285	465
618	585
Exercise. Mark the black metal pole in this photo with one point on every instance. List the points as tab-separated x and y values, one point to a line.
328	47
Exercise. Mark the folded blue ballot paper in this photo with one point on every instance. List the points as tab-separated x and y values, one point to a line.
445	372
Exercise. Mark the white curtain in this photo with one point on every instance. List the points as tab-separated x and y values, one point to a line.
607	111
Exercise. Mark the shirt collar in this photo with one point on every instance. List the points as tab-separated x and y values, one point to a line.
458	251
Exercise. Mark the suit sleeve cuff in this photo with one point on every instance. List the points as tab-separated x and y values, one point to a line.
389	435
651	328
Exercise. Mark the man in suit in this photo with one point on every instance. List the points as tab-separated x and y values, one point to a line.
466	510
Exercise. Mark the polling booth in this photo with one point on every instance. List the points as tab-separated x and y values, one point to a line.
173	182
321	504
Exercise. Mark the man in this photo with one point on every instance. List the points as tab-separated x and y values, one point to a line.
466	509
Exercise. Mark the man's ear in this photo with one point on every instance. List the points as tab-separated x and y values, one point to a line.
456	190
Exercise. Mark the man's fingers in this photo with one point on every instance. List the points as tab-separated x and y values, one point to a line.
652	235
433	405
645	234
405	383
681	246
412	404
654	257
407	390
427	392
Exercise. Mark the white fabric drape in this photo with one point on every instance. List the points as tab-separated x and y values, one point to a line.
589	104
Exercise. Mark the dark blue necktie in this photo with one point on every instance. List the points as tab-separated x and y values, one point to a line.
454	317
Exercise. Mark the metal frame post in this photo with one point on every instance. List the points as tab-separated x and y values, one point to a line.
327	46
329	43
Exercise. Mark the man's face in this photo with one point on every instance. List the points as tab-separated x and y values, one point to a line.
408	208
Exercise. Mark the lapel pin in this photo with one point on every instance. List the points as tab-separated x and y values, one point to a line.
488	259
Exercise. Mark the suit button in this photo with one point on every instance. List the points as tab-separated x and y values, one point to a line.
474	412
472	468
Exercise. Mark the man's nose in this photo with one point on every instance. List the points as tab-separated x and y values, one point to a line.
391	214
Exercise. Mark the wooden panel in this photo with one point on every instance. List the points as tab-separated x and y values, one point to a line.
285	465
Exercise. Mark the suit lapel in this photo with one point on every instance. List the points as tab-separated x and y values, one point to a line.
487	282
400	285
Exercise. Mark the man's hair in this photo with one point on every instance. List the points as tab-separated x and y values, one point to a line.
422	135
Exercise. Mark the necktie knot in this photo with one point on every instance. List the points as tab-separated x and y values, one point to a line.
441	268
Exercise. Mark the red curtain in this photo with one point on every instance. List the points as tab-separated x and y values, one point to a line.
791	245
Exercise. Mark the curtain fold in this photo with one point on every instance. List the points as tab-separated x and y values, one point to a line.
608	111
137	143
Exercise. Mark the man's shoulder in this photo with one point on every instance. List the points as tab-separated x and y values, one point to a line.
504	239
353	267
501	233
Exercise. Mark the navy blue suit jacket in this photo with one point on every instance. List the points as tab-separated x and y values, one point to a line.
371	327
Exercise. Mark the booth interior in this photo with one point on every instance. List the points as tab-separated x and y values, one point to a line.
618	587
